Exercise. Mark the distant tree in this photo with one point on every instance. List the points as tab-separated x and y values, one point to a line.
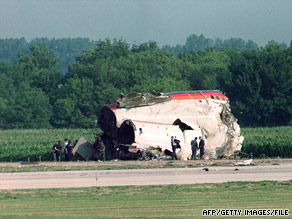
245	92
234	43
65	49
218	44
272	42
76	107
9	48
177	50
63	113
196	43
6	91
250	45
209	70
149	46
41	69
6	68
276	73
261	91
25	107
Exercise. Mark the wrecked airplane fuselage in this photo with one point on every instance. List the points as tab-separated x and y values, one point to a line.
146	120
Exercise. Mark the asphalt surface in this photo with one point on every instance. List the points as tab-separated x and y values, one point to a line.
136	177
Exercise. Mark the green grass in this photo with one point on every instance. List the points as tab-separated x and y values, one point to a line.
172	201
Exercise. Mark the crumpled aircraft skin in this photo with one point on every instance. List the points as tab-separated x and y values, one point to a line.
151	119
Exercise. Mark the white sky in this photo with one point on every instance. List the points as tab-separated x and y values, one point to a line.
164	21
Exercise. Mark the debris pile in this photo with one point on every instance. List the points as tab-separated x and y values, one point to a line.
149	120
244	163
84	149
141	125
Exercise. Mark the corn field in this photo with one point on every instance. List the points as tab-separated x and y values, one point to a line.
268	142
36	144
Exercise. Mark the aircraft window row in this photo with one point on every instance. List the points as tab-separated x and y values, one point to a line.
212	97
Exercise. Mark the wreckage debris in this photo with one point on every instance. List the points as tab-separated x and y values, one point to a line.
144	120
84	149
244	163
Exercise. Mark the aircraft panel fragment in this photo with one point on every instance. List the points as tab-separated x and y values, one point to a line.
84	149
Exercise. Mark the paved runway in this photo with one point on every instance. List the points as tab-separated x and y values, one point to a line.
71	179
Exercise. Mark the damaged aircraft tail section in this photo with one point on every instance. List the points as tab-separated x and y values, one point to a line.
145	120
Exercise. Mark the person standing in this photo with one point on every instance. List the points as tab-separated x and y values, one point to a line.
201	146
65	144
57	148
99	144
76	141
173	146
177	142
115	149
101	149
194	145
68	151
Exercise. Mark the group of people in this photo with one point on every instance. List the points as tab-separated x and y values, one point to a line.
175	143
68	149
197	146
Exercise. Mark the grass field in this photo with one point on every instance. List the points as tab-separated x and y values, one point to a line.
35	145
173	201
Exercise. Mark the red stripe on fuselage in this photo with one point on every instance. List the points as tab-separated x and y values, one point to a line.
215	96
199	96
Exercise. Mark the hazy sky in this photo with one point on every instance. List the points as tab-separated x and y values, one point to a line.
164	21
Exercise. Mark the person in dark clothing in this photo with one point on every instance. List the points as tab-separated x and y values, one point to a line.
99	144
173	146
76	141
194	145
57	148
177	142
201	146
68	151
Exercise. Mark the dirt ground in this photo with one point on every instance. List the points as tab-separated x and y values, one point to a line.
154	163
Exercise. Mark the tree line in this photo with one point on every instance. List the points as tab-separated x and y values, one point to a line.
35	93
66	49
